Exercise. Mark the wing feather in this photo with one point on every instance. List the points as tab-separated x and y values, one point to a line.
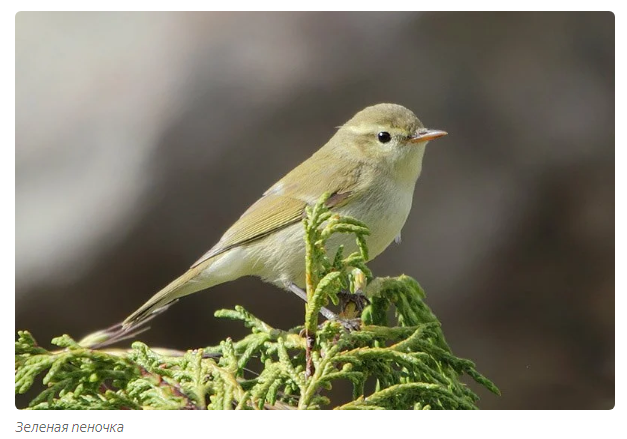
276	209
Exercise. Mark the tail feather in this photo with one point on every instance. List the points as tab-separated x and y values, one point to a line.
134	324
113	334
181	286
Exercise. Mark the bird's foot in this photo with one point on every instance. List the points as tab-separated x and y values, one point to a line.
352	304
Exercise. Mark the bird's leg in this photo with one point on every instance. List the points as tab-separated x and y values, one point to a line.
326	313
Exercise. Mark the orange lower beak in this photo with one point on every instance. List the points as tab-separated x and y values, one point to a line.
425	135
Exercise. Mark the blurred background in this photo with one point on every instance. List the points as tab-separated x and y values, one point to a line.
140	137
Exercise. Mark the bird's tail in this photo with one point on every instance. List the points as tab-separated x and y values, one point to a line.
193	280
179	287
135	323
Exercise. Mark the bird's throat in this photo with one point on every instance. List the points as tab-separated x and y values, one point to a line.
407	169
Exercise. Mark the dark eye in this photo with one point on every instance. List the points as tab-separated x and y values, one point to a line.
384	137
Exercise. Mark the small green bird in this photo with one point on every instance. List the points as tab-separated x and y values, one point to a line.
370	166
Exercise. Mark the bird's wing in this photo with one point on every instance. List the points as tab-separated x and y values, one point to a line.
284	203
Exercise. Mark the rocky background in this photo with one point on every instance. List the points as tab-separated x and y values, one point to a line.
140	137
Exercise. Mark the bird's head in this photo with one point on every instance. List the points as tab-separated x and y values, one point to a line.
386	135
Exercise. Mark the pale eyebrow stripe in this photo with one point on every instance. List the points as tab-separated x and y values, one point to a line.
360	129
364	130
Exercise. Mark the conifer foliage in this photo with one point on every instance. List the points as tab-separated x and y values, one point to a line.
395	357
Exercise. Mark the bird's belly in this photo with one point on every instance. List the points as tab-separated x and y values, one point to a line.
280	257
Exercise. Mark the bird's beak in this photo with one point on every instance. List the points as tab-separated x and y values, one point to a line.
424	135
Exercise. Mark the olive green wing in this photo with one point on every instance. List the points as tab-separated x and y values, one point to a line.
284	203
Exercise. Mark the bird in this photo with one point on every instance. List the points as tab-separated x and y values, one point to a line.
369	166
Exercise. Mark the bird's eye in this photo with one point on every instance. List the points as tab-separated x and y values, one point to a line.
384	137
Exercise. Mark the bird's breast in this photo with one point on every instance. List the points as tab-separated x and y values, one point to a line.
384	209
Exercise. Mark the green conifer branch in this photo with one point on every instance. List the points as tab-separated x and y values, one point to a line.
402	364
